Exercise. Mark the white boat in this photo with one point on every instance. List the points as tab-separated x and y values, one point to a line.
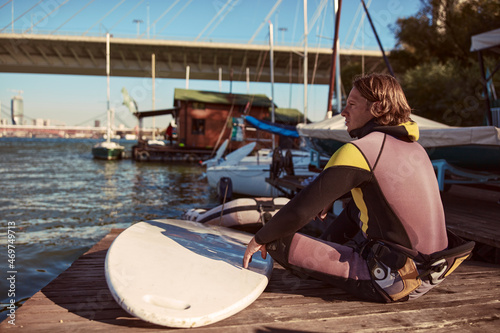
475	148
248	175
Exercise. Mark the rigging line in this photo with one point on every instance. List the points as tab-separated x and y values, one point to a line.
346	36
26	116
5	4
7	113
78	12
359	26
290	73
295	20
316	15
315	18
265	21
386	60
10	23
6	109
102	18
318	46
164	13
261	67
93	118
129	12
173	18
34	25
291	54
222	18
213	19
243	67
121	120
221	134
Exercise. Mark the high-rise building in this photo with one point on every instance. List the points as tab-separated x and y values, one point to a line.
17	110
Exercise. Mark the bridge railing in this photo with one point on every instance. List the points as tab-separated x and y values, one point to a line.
313	43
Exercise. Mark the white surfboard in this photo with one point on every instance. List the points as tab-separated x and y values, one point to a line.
181	273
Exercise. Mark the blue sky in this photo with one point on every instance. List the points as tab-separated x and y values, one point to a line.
77	100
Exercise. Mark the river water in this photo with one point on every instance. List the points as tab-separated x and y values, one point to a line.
56	202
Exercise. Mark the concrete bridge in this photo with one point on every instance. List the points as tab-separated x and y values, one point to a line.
131	57
30	131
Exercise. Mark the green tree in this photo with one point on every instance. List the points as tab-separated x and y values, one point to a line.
442	30
444	92
440	75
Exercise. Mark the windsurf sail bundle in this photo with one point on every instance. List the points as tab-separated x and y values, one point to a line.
280	129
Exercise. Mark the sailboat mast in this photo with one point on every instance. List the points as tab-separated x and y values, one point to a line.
389	67
333	72
153	70
338	82
108	90
306	30
271	65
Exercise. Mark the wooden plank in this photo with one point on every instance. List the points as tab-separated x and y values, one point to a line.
467	300
288	303
473	213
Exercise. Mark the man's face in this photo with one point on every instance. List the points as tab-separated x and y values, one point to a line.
357	111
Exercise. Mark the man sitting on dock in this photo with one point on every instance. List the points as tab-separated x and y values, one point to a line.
390	243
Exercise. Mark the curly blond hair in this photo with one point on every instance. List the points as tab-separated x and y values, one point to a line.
387	100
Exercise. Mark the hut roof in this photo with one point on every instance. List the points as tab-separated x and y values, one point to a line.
221	98
287	116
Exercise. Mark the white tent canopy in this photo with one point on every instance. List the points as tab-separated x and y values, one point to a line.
486	40
432	133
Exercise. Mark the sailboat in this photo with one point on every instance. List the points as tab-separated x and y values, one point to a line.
108	150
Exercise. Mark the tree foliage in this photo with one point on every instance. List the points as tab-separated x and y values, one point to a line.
440	75
445	93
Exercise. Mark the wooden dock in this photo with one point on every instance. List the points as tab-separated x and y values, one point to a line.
467	301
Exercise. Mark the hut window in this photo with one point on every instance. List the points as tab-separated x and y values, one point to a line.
198	106
198	126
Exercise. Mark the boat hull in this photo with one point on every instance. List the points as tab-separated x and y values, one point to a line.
473	157
248	179
248	174
480	158
103	153
473	147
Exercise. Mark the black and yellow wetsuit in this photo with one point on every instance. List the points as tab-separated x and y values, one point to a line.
395	198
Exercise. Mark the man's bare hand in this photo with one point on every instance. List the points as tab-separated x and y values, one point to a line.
252	248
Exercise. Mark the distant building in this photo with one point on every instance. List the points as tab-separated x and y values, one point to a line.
17	110
39	122
202	120
97	123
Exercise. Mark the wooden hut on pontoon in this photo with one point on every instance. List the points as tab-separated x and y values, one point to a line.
204	119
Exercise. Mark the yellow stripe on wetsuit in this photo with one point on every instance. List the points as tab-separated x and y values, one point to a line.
412	129
349	155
